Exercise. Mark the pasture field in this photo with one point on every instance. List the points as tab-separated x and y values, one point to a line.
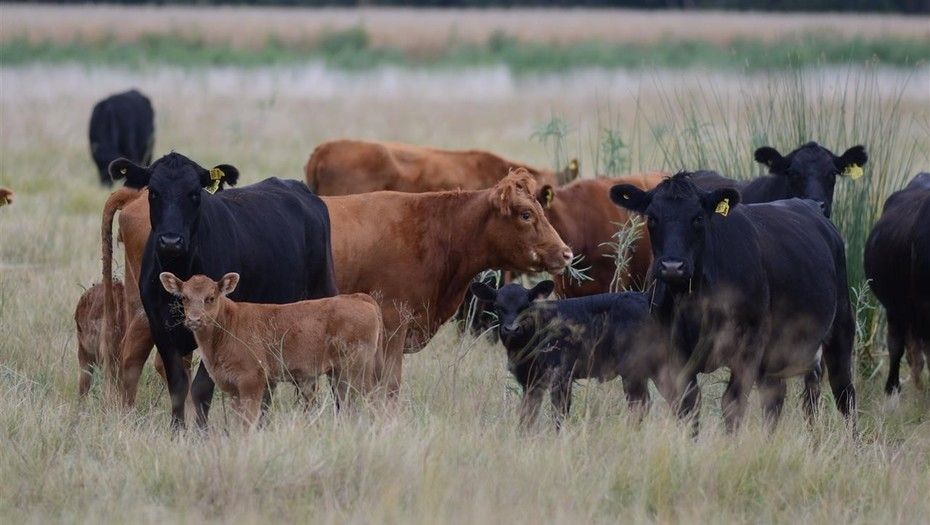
451	453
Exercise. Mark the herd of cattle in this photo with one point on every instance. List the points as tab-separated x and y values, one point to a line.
286	281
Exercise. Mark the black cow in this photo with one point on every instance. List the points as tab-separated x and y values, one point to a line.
274	233
550	344
809	172
897	265
121	125
760	289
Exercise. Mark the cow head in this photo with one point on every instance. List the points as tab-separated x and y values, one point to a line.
510	303
810	171
200	296
518	229
677	214
176	188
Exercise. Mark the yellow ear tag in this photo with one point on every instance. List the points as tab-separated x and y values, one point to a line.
723	208
573	165
854	171
216	175
550	196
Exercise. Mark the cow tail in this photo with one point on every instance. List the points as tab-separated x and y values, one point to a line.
115	202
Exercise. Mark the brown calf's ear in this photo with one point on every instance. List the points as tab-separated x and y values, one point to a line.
630	197
171	283
542	290
228	283
136	176
483	292
546	196
720	201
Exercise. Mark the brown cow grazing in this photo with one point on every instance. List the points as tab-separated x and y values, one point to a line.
587	221
415	253
89	319
247	347
6	196
349	167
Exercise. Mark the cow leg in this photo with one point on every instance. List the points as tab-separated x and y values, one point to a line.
202	395
637	397
178	383
136	347
86	374
896	339
690	403
915	360
772	391
529	407
811	394
733	402
394	362
251	392
560	392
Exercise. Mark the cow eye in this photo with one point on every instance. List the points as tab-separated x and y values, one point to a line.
526	215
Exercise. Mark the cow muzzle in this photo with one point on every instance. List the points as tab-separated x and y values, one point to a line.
672	270
560	261
170	245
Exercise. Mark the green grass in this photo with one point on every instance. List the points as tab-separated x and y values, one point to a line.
351	49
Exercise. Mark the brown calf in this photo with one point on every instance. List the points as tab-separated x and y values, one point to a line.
349	167
89	318
247	347
416	253
587	220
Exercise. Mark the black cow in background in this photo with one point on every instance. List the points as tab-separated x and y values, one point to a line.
808	172
275	233
760	289
121	125
550	344
897	265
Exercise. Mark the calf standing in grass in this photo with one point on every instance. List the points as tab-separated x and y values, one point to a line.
247	347
89	318
550	344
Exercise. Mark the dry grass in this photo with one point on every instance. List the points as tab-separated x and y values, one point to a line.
451	454
426	30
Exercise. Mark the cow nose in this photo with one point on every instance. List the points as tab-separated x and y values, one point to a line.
671	269
567	255
170	243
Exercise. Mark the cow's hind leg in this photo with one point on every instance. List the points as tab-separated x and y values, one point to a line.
735	397
772	391
202	395
916	350
136	347
896	339
561	394
86	365
811	394
637	396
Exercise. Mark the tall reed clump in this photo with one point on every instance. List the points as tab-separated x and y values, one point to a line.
709	128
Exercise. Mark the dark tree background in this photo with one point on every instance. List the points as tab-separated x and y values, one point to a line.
903	6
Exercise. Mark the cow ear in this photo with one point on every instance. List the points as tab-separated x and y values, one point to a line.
546	196
483	292
854	157
770	157
136	176
214	178
573	169
630	197
542	290
228	283
171	283
720	201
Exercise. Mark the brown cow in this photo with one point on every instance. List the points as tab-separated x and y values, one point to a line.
6	196
415	253
89	319
586	219
248	347
349	167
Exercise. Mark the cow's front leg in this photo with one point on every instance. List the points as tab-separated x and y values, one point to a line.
561	394
178	382
202	395
529	407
